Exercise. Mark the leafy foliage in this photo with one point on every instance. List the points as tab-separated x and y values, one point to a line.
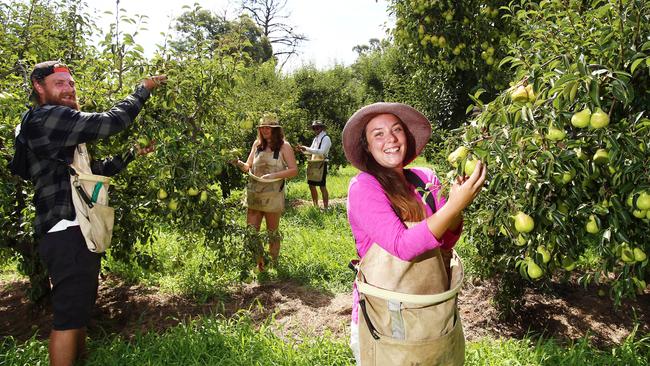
580	183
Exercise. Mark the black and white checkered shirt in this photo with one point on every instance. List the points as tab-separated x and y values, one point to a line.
52	133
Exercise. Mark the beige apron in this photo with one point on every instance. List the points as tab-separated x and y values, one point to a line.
95	218
316	168
316	165
413	308
266	195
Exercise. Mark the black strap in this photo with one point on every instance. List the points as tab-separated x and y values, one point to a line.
414	179
371	328
276	153
321	141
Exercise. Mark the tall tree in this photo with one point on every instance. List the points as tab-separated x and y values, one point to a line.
272	18
201	31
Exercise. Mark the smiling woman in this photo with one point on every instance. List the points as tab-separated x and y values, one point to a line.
408	275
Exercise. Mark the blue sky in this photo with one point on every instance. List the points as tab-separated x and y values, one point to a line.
333	26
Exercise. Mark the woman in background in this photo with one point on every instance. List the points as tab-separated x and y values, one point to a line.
270	162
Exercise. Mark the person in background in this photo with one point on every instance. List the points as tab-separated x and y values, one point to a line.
404	298
270	162
53	130
317	164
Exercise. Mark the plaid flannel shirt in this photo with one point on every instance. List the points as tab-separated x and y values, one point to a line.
52	133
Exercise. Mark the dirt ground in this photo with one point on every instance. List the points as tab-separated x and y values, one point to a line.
566	313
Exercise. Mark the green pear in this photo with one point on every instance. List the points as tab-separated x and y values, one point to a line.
533	270
162	194
601	156
640	214
519	94
521	241
204	196
442	41
192	191
627	254
531	93
546	255
523	222
643	202
470	166
555	134
581	119
592	225
639	254
599	119
568	263
173	205
459	154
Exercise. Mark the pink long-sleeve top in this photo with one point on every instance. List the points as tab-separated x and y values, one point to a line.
373	220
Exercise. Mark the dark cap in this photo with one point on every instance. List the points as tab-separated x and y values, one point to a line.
44	69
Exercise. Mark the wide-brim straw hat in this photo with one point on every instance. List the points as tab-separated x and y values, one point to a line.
269	120
317	123
417	124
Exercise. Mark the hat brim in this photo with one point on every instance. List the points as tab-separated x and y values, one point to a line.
272	126
417	124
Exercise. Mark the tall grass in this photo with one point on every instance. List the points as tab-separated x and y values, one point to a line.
237	341
208	341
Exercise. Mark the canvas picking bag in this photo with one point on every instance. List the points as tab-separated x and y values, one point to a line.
315	170
408	310
90	199
266	195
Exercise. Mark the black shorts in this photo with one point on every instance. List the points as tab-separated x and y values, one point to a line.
323	182
74	272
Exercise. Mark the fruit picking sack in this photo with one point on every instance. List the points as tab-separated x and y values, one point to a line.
90	199
315	170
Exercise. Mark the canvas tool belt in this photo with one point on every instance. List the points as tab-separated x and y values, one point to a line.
90	199
265	195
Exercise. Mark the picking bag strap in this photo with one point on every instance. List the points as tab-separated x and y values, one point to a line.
414	179
82	193
368	289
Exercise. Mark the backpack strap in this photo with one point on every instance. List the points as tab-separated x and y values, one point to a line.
320	143
414	179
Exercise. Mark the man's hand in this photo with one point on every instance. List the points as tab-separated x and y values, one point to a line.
154	82
145	149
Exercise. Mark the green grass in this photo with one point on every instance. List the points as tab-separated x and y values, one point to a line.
530	352
316	248
208	341
337	185
237	341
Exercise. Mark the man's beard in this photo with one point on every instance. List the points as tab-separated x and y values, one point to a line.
59	100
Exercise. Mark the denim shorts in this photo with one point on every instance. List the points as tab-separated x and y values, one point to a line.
74	272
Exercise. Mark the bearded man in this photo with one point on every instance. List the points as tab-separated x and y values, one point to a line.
53	130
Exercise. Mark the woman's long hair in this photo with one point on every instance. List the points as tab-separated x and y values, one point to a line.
277	139
399	193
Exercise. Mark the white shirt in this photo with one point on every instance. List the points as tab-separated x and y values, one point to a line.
324	147
63	225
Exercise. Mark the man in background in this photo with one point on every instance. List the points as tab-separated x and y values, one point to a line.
317	164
